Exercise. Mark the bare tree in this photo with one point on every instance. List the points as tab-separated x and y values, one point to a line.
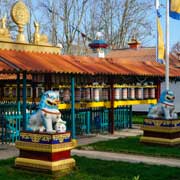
133	21
64	20
64	15
120	19
176	48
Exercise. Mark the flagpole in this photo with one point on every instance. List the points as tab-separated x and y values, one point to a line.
167	46
157	7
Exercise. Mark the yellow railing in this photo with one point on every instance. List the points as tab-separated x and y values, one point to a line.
107	104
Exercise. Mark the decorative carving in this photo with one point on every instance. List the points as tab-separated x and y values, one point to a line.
20	15
165	109
39	38
4	32
48	114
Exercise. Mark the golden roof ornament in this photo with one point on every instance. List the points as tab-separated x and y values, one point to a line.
4	32
20	16
38	38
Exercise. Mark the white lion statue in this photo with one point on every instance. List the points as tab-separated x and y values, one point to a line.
48	115
165	109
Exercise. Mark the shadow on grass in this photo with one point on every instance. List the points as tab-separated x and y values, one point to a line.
91	169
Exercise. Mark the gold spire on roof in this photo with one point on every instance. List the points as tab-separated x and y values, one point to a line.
39	38
4	32
20	15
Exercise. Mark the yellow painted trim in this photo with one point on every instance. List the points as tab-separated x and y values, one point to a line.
107	104
36	137
160	129
95	104
45	147
160	140
46	165
29	47
134	86
134	102
64	86
64	106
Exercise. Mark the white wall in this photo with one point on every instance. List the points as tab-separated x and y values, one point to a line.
175	87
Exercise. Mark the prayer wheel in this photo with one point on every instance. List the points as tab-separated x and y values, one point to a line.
87	94
66	95
77	94
124	93
105	94
138	93
117	93
145	93
96	94
152	93
131	93
14	92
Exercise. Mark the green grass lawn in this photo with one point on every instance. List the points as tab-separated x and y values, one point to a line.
133	145
138	119
90	169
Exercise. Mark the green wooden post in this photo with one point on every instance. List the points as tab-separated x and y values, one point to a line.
18	93
73	107
130	116
88	122
24	102
111	113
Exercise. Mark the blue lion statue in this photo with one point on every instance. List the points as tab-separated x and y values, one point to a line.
48	117
165	109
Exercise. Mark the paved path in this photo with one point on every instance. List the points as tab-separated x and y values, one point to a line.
127	158
8	151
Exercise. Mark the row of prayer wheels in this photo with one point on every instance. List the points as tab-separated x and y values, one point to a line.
102	93
134	93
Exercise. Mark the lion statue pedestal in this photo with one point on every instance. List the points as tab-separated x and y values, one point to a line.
46	145
162	125
44	152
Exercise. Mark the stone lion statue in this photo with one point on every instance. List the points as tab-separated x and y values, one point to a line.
165	109
48	117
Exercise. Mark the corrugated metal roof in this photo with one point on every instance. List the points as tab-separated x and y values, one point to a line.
5	68
42	62
140	54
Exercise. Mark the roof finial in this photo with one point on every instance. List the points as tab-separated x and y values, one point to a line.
4	32
20	15
39	38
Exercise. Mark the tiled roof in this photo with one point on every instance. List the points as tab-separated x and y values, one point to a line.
5	67
140	54
41	62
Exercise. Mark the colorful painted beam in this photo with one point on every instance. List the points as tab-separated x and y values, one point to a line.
161	131
45	152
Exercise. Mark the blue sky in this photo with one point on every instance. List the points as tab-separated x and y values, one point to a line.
174	31
174	25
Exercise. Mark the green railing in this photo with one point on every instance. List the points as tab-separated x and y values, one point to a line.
99	120
123	117
82	121
12	107
11	125
93	120
8	107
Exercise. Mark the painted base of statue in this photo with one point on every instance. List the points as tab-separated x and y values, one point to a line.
161	131
46	152
46	146
162	125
